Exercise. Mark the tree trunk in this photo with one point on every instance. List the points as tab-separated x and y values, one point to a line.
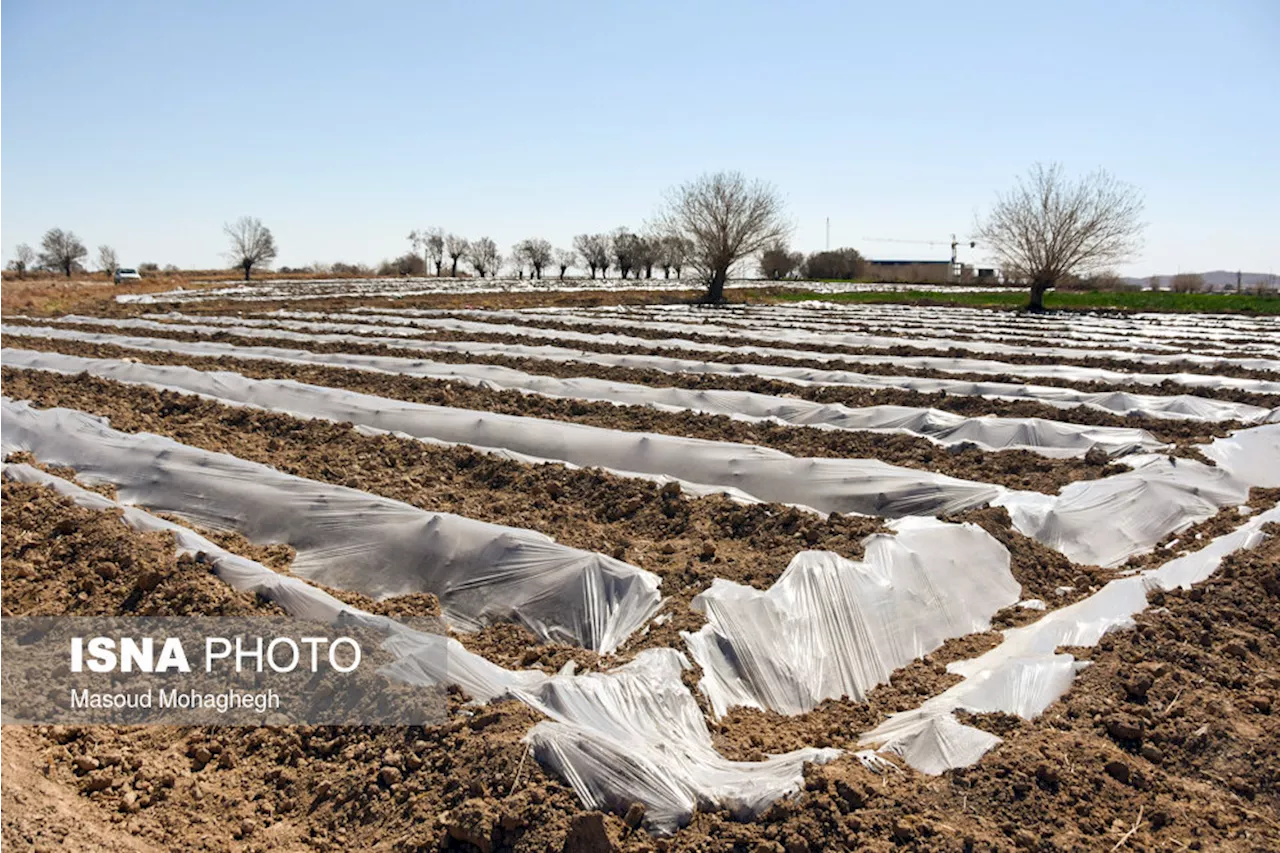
247	267
715	293
453	273
1038	288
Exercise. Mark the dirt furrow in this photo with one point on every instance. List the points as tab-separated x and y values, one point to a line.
1019	469
1195	680
1173	431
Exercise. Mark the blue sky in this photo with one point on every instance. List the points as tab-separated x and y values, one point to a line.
345	125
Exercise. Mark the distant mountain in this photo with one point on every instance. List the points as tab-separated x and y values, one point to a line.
1216	279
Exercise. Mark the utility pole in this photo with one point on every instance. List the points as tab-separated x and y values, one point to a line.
828	233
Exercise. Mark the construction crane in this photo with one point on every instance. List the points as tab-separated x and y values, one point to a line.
955	246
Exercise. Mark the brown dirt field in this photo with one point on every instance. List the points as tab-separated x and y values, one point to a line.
853	327
1182	432
689	540
1019	469
1196	680
1169	741
427	333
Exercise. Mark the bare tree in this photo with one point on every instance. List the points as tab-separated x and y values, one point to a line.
251	244
433	243
62	250
23	257
107	260
725	218
429	242
595	252
456	247
672	251
1050	227
534	252
540	254
648	251
565	259
1155	282
484	257
625	248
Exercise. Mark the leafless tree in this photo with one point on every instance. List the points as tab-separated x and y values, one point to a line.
251	244
456	247
429	242
672	252
625	247
595	252
107	260
23	257
725	218
434	245
648	251
1050	227
534	252
484	257
62	250
565	259
1155	282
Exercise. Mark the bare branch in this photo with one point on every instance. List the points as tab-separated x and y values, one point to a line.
724	219
62	250
1049	227
251	244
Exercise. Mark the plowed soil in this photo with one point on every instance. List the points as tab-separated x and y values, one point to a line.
1167	742
1018	469
1168	430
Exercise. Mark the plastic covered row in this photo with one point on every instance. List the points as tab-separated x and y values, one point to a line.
865	486
349	539
1181	406
830	627
1048	438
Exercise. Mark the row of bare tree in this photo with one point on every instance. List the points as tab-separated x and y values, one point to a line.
251	245
60	251
1046	230
631	255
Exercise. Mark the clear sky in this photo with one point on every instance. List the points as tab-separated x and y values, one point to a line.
344	125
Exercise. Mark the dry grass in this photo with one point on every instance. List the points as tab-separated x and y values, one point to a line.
45	294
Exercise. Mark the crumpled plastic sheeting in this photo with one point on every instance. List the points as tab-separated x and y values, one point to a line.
639	735
1251	455
296	596
1049	438
1181	406
350	539
634	734
1105	522
1023	675
831	627
865	486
